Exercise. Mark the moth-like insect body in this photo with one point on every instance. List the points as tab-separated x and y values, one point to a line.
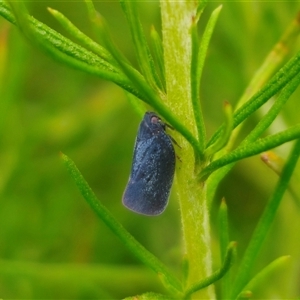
153	167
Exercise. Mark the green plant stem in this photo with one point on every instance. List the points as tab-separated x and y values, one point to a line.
128	240
265	222
176	22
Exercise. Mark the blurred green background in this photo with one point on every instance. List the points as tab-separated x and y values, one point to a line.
52	246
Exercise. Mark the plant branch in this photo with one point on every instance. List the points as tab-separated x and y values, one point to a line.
253	148
275	84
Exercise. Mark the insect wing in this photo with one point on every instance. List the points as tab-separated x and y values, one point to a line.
151	178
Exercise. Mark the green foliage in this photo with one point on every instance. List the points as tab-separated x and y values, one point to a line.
47	234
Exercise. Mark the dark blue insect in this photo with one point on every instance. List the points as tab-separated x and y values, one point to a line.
153	168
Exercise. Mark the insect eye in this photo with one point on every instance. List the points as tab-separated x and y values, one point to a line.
155	120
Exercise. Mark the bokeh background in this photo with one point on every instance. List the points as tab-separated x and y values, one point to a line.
52	246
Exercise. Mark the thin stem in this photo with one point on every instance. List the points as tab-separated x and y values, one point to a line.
177	19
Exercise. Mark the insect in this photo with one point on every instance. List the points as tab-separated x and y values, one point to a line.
153	167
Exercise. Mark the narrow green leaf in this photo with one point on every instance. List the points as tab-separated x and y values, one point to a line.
74	277
259	279
265	223
264	123
273	161
224	241
273	60
275	84
214	180
82	38
149	296
96	21
148	95
195	84
228	261
143	54
158	55
128	240
201	5
245	295
274	111
76	56
197	63
270	64
185	271
225	135
91	10
253	148
137	105
6	13
276	163
69	53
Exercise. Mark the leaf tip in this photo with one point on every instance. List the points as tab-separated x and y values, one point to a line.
223	204
63	156
51	10
227	107
233	244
